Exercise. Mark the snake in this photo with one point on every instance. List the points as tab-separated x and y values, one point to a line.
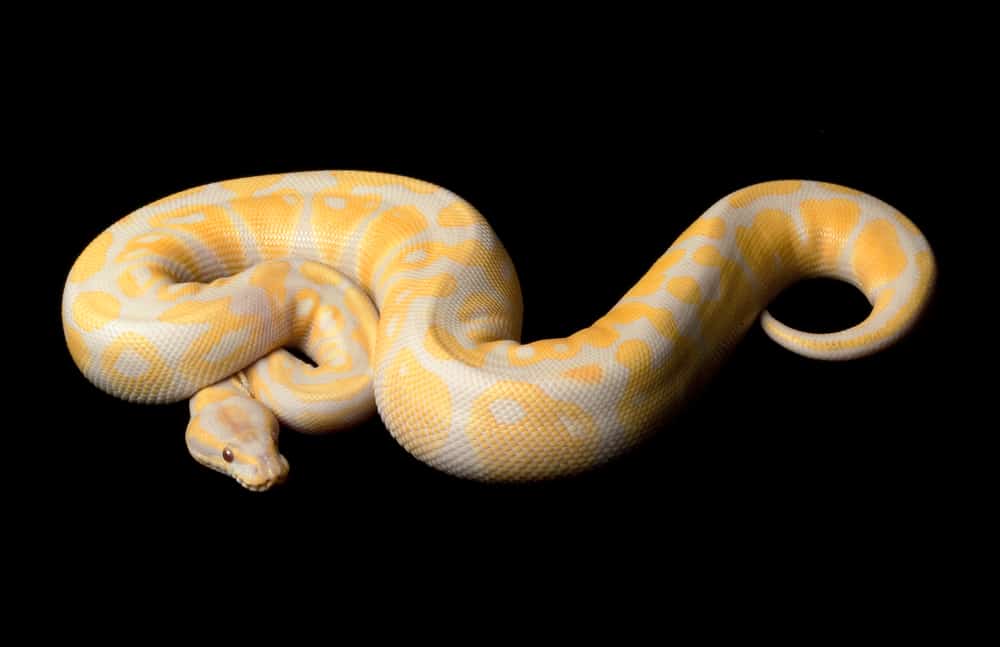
312	300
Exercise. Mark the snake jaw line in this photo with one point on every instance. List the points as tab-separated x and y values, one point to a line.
260	487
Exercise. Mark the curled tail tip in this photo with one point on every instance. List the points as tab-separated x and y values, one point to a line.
895	310
888	258
842	345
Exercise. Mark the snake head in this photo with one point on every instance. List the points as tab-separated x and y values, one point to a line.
238	436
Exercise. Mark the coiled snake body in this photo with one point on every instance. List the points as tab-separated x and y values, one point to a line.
195	296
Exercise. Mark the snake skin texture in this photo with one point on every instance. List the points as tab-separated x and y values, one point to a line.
405	300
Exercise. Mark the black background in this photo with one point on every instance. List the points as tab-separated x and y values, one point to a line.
779	459
792	497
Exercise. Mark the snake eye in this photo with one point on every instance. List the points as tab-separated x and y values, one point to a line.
227	455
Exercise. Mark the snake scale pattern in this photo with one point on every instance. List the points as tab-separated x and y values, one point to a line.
407	303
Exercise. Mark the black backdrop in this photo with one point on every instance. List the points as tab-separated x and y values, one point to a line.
806	457
810	497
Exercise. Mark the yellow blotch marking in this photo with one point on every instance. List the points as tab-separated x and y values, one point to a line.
237	421
271	221
443	345
93	258
652	281
164	246
828	224
221	321
600	335
335	216
926	272
77	347
420	255
211	395
405	291
770	246
745	197
590	374
282	367
661	318
309	312
128	284
93	310
458	214
175	291
527	354
189	312
272	278
384	234
685	289
710	227
427	427
397	303
156	375
353	200
519	430
210	225
647	393
321	274
478	305
878	257
471	253
708	255
736	297
839	189
131	286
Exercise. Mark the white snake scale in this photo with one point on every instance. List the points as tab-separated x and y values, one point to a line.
195	296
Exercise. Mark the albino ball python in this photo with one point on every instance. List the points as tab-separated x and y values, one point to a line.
196	294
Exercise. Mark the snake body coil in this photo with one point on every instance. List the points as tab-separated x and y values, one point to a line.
195	296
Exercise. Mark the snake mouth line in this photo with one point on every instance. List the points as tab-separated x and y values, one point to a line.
259	487
253	487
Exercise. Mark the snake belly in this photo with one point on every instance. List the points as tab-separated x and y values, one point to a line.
195	288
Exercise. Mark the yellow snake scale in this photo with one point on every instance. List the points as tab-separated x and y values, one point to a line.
196	296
